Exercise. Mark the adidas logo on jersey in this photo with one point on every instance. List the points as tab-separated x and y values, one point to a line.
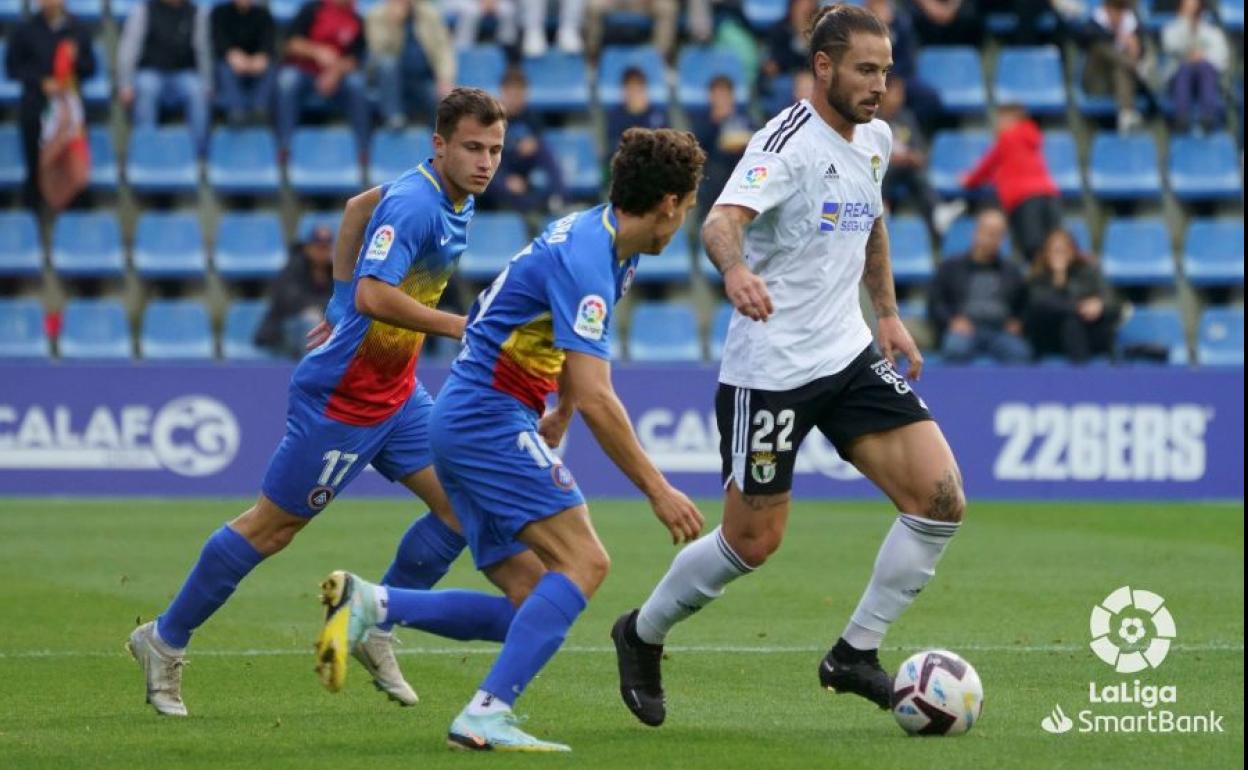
831	172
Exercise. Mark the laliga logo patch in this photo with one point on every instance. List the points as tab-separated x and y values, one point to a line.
763	467
591	317
755	178
320	497
562	476
380	245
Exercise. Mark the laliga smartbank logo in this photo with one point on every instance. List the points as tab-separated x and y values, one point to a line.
1132	631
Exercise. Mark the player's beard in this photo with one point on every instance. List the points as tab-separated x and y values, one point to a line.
843	104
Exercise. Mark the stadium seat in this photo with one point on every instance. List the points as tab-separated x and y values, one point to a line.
10	90
311	219
957	75
719	330
1124	167
323	161
673	265
910	245
953	154
249	246
777	96
169	245
94	328
1099	106
1136	252
1161	327
1062	158
283	10
86	11
496	238
1204	168
482	66
1220	339
616	59
12	162
243	161
10	11
957	239
558	82
578	160
238	336
762	15
696	68
22	333
1033	78
20	252
162	160
103	159
1232	12
394	152
98	89
1078	227
662	332
1214	252
175	329
87	245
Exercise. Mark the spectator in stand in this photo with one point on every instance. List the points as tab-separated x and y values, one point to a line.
529	179
1030	14
636	109
244	44
1071	311
803	85
665	13
325	52
29	61
1118	60
164	60
906	178
470	13
410	47
787	45
298	295
724	131
977	302
1016	167
1197	56
948	22
921	99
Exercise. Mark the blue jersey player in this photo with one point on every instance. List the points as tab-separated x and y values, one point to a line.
544	325
355	400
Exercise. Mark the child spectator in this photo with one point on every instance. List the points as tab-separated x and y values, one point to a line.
636	109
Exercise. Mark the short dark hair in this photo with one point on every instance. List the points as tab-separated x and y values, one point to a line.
833	26
466	102
721	81
652	163
634	73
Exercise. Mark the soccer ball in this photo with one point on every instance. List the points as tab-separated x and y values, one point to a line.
937	693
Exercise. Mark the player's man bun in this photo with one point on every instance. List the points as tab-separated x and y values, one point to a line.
463	102
832	26
652	163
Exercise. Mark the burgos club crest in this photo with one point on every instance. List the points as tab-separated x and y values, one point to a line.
763	467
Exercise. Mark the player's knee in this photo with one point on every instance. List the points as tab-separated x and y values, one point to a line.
591	571
267	530
755	547
946	500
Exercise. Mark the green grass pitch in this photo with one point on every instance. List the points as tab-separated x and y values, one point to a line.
1013	595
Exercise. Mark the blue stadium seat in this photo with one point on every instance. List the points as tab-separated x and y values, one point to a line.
394	152
696	68
243	161
719	330
673	265
778	95
87	245
662	332
249	246
12	162
957	239
1155	326
954	153
94	328
558	82
120	9
98	88
1100	106
104	173
22	333
20	252
283	10
238	335
482	66
1032	77
616	59
1124	167
910	245
162	160
578	160
10	90
169	245
1078	227
496	238
1136	252
311	219
10	11
1062	158
1214	252
1220	339
175	329
86	11
323	161
764	14
957	74
1204	168
1232	12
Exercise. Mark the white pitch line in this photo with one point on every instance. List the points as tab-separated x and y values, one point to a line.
602	650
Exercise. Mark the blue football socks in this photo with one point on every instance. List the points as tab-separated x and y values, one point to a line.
536	633
424	555
455	614
226	559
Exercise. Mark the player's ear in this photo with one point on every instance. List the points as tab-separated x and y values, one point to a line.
439	145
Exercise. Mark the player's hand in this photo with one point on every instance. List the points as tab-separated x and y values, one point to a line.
553	425
678	513
748	293
894	339
317	335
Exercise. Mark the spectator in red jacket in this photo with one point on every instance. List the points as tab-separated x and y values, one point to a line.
1015	166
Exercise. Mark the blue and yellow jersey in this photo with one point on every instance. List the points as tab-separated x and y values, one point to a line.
556	295
367	368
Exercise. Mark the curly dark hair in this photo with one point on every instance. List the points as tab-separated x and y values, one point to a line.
462	102
652	163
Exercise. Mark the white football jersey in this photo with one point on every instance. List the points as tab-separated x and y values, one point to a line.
817	197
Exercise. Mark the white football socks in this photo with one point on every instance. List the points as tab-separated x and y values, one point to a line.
484	704
698	575
906	561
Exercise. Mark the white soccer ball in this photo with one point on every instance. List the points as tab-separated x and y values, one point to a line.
936	692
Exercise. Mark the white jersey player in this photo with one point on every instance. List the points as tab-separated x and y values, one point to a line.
799	225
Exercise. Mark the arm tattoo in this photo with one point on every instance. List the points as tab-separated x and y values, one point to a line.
763	502
723	240
877	273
